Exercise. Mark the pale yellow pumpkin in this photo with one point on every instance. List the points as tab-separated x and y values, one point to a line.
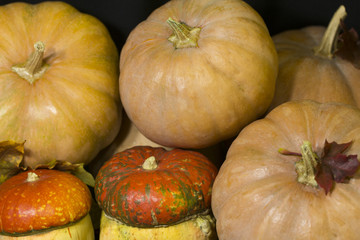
59	82
196	71
198	228
310	69
258	193
81	230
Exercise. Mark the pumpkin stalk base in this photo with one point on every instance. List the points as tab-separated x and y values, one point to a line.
306	167
150	163
34	67
329	41
184	36
32	177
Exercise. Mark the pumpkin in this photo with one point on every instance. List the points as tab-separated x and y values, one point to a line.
129	136
59	82
195	72
311	65
45	204
292	175
151	191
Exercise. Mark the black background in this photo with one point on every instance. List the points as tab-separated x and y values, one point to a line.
121	16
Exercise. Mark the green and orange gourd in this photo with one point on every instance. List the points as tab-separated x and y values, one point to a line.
152	193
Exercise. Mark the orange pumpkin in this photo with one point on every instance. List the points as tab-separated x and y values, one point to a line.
59	82
45	204
195	72
310	66
261	193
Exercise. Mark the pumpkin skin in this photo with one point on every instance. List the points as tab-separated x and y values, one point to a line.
177	188
306	74
195	97
73	110
257	189
32	203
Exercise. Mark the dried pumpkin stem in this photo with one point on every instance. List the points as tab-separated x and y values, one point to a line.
32	177
150	163
306	167
34	67
329	41
184	36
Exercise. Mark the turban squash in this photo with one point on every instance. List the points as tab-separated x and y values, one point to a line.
45	204
152	193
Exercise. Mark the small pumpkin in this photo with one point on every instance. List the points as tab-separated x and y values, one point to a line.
59	82
146	189
45	204
292	175
195	72
312	64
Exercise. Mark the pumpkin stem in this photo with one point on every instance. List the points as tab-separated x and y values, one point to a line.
34	67
150	163
329	41
32	177
184	36
306	166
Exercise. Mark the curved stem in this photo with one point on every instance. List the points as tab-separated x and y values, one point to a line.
150	163
184	36
329	40
34	67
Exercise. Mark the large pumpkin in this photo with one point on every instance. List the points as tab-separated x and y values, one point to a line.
45	204
263	193
146	191
196	71
310	66
58	82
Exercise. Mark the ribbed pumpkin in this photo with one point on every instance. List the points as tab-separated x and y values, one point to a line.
158	190
310	66
196	71
58	82
45	204
263	193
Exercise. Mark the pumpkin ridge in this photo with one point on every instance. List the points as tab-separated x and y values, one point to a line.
347	81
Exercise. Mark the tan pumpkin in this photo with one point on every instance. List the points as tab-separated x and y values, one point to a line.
309	67
59	82
196	71
261	193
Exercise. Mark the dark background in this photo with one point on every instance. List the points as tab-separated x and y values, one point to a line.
121	16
